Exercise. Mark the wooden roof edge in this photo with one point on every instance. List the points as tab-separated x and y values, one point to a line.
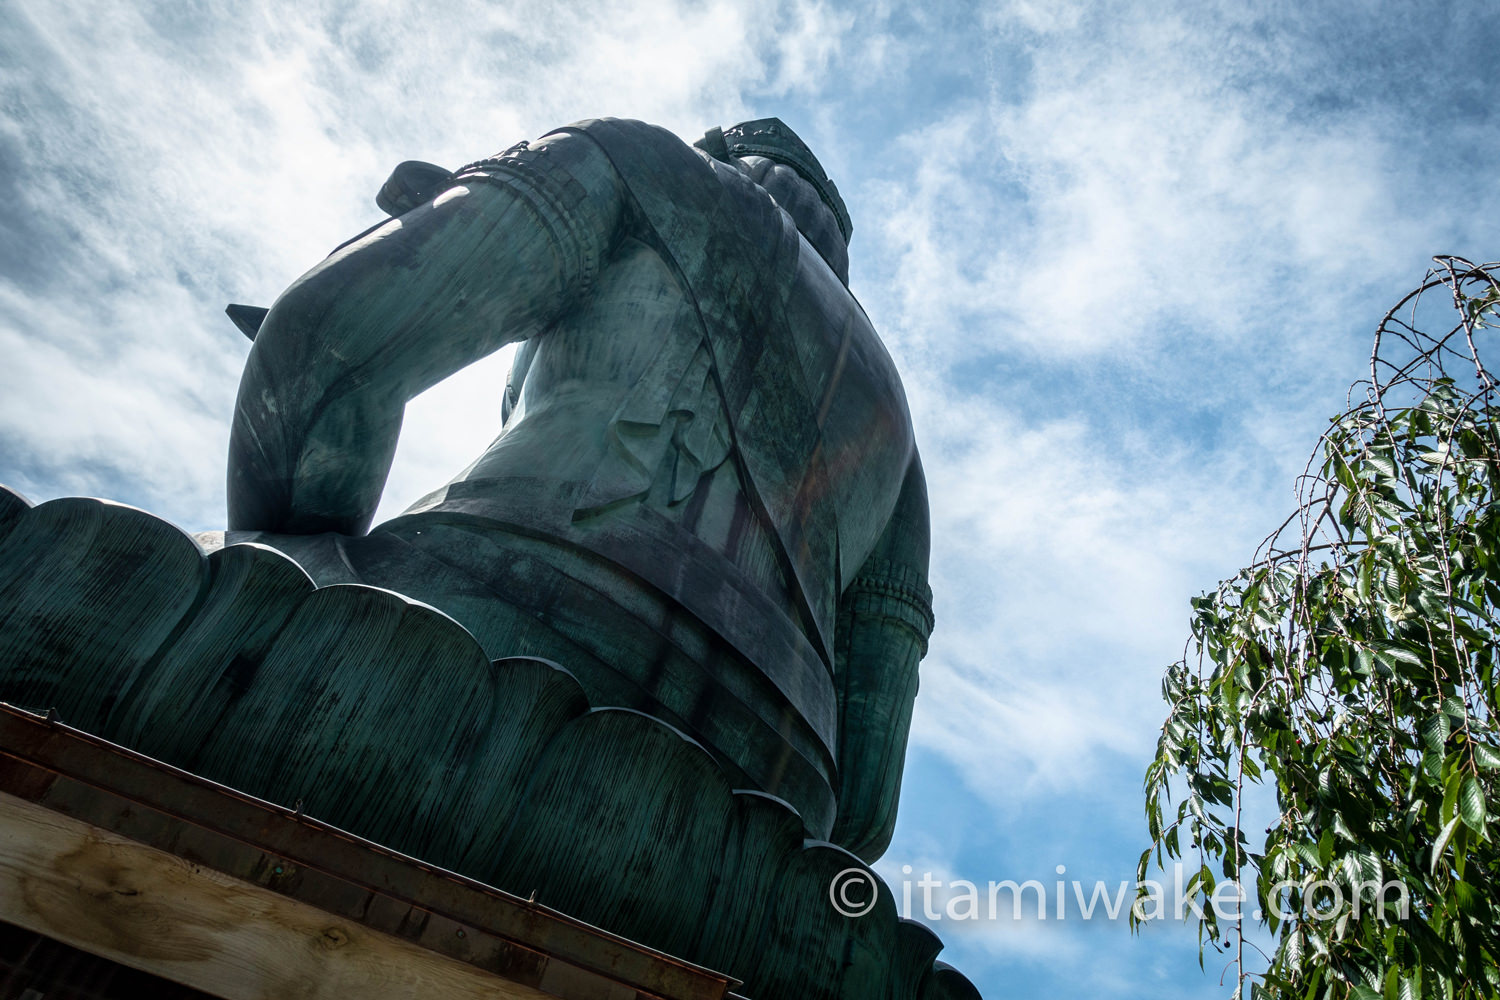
112	787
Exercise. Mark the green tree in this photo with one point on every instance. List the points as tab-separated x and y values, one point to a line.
1350	673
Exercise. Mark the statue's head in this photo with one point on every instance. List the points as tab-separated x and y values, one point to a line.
779	161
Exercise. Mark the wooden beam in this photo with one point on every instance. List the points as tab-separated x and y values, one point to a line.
159	913
348	880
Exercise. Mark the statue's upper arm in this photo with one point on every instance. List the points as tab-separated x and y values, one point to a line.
891	586
505	246
907	538
569	182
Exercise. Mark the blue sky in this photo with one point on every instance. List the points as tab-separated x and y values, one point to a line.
1128	258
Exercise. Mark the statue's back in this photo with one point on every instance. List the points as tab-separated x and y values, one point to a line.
621	474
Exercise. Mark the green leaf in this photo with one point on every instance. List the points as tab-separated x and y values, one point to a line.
1362	866
1363	992
1466	897
1432	764
1435	731
1383	464
1412	812
1392	651
1450	796
1441	845
1291	949
1471	804
1486	757
1195	806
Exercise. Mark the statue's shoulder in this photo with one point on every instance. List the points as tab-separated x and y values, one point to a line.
645	155
628	131
685	196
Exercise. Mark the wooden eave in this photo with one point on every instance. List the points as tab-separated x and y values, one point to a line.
128	858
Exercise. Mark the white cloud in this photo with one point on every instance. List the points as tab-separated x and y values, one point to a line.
1062	568
129	421
813	42
1139	186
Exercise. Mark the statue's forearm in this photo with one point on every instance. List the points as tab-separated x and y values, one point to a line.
340	353
884	625
303	461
